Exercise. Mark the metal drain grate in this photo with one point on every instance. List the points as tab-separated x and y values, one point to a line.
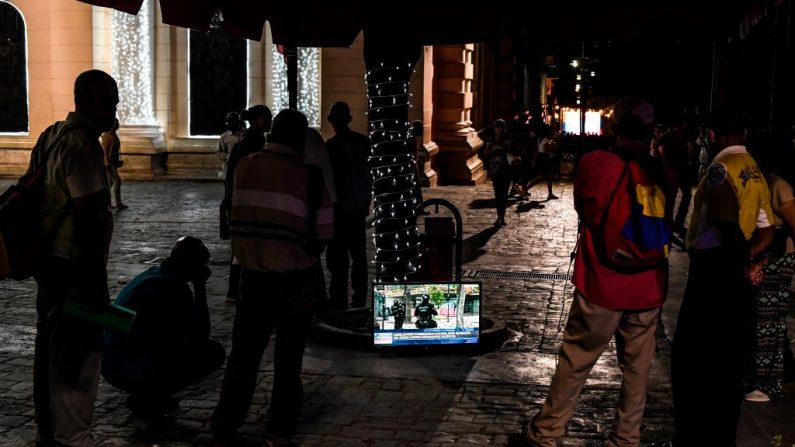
492	274
517	275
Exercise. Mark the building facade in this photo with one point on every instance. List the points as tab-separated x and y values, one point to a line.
176	86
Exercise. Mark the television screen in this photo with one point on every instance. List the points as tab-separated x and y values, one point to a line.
432	313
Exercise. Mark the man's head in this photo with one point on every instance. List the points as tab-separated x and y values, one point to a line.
189	256
96	98
726	127
258	116
659	130
233	123
632	119
499	127
339	116
426	298
290	129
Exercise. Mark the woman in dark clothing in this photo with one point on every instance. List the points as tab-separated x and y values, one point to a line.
252	139
495	157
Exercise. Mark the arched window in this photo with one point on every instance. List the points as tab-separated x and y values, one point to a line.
13	71
218	78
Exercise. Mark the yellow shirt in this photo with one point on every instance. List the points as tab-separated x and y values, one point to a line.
733	190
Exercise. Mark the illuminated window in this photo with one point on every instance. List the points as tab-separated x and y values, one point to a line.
13	71
571	121
218	78
308	83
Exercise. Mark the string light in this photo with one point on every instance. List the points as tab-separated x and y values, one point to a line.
308	83
393	171
131	65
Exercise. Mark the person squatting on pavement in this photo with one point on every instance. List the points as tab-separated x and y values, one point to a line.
76	208
349	152
168	347
713	343
607	301
281	218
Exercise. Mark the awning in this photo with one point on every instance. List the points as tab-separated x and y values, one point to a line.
329	24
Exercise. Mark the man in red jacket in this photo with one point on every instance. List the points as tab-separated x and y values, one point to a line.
607	302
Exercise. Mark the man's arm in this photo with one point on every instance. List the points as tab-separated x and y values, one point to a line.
84	173
202	327
90	226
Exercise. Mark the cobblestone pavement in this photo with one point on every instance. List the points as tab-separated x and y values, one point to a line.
356	398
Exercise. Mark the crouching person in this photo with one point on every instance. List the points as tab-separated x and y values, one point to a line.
168	347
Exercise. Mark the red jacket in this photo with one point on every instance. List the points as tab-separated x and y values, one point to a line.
599	173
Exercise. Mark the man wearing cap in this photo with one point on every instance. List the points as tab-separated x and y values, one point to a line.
608	302
168	347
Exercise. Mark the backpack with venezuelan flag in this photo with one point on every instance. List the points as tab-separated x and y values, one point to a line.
635	233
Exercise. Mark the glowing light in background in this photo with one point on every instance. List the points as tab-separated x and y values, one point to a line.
571	121
308	83
131	65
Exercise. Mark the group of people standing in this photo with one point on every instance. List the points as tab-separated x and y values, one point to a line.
343	162
730	332
517	159
288	195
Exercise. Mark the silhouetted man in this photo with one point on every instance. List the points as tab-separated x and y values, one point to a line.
730	227
78	225
168	347
349	152
281	218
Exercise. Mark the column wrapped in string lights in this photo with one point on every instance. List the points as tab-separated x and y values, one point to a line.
393	170
131	65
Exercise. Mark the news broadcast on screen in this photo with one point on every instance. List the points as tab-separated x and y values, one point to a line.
426	314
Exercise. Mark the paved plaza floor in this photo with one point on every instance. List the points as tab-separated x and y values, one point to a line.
357	398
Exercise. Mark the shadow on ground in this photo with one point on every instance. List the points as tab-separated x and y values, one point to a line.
473	245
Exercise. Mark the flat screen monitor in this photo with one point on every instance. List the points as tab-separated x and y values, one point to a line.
426	313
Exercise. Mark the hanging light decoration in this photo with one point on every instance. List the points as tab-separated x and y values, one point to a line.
308	83
131	65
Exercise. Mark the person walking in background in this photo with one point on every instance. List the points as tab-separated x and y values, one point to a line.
729	229
674	150
349	152
281	218
545	161
169	346
111	146
228	140
418	152
610	302
76	211
702	143
495	157
773	296
252	140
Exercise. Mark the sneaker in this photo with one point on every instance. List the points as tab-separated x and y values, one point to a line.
122	207
498	222
552	197
231	299
757	396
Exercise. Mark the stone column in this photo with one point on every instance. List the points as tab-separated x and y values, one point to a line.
131	64
457	161
422	109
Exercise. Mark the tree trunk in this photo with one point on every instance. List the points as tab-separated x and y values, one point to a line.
459	314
